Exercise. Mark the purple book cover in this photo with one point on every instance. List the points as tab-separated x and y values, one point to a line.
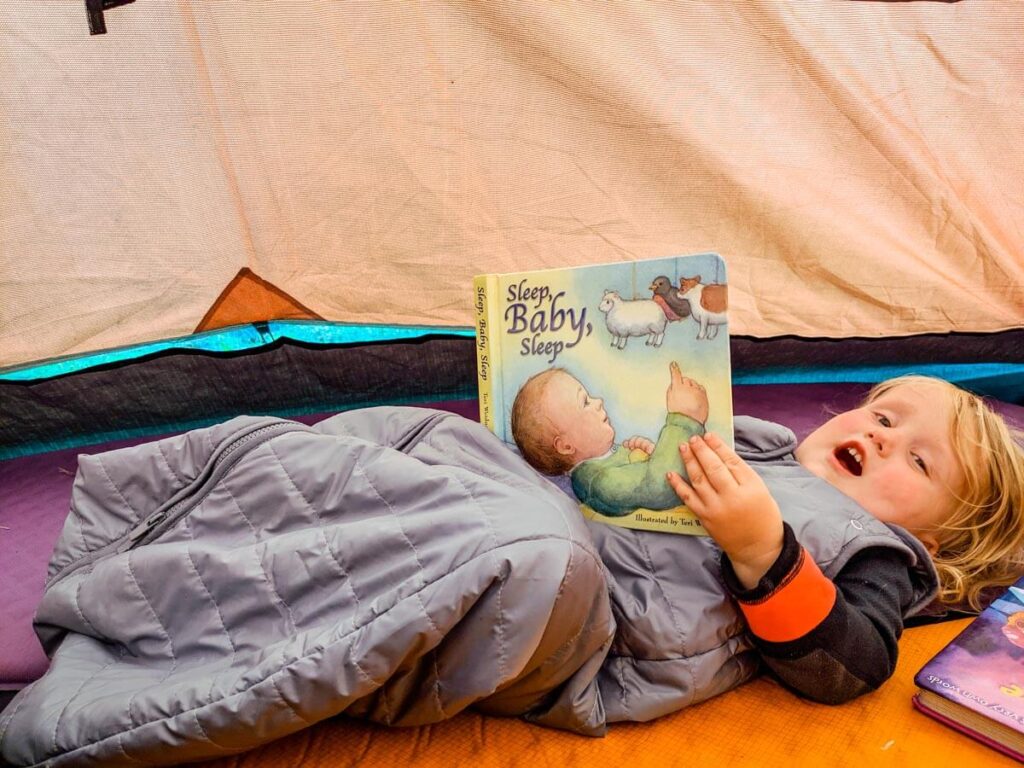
983	667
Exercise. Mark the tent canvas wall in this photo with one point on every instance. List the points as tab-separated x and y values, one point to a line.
368	158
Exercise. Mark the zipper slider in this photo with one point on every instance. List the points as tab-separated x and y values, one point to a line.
145	527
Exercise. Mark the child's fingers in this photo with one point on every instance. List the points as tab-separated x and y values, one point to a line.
717	473
677	484
739	469
696	474
693	468
702	494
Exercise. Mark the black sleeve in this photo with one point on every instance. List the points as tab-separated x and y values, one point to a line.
853	649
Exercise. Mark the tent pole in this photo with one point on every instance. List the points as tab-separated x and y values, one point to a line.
94	9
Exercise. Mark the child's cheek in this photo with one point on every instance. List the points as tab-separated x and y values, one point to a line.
852	421
906	496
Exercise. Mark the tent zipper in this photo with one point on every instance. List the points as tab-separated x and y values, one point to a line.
185	500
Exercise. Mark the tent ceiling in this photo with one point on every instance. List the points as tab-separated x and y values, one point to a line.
858	165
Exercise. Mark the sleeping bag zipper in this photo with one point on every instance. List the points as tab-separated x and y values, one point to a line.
223	458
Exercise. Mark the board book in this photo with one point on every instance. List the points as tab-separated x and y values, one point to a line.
976	683
620	331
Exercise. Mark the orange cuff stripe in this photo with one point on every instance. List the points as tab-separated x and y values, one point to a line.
800	603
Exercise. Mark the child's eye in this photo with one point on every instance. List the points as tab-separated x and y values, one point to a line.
920	462
883	419
586	401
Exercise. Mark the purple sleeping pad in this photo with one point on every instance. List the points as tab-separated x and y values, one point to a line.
35	491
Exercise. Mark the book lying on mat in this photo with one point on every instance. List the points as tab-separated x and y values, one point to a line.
976	683
596	370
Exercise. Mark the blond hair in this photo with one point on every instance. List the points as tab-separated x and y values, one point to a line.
981	544
533	431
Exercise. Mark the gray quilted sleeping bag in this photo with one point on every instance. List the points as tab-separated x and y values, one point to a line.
219	589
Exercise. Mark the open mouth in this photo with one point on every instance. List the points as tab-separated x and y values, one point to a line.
850	458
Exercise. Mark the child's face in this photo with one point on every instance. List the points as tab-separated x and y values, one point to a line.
581	426
894	456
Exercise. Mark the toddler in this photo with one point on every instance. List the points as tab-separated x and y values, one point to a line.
562	429
827	546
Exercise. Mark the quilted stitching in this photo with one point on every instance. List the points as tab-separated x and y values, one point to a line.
502	640
78	610
256	556
669	608
349	641
182	482
319	526
170	643
206	590
117	489
54	749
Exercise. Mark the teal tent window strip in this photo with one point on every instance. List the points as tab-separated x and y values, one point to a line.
234	339
958	373
313	332
1003	381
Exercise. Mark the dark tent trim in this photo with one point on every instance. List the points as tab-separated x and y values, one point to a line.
150	389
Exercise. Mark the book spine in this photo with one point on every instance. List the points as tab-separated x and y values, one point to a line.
488	349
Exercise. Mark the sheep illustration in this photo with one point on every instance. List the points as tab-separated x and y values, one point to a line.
637	317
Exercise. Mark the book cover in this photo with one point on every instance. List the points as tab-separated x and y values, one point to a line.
976	683
617	340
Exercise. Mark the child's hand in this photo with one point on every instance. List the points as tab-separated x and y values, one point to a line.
639	444
733	505
686	396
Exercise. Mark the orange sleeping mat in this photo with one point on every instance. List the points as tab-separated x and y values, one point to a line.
759	724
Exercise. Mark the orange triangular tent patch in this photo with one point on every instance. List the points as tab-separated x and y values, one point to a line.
249	298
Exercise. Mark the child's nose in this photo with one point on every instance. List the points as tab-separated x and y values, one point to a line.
882	439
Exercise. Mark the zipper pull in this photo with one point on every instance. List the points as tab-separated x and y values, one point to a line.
145	527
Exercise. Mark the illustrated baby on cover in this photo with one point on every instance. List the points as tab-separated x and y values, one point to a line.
561	429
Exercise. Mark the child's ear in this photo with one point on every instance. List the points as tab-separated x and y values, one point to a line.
930	541
563	446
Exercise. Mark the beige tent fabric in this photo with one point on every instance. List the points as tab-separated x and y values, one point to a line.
859	165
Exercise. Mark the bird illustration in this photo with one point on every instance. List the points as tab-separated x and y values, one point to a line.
667	297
